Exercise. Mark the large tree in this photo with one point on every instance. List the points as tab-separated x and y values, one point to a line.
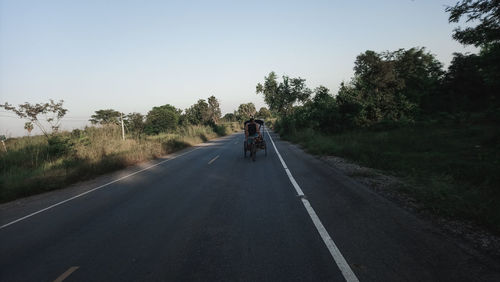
473	81
214	109
421	74
162	119
390	86
198	113
378	84
270	91
245	111
107	116
281	97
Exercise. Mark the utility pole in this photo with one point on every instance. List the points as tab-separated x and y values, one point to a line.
3	138
123	129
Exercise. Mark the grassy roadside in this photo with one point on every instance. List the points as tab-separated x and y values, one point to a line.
453	170
34	164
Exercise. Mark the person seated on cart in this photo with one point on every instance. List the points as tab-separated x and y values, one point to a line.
252	131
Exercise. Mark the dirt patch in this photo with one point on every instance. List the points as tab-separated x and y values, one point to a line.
390	187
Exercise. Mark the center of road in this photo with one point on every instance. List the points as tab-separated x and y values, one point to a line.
330	244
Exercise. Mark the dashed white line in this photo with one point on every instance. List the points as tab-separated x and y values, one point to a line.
94	189
330	244
213	160
66	274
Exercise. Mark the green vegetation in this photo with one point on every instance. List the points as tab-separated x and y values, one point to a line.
403	113
451	168
108	116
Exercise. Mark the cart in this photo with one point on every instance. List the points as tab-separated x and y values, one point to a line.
259	143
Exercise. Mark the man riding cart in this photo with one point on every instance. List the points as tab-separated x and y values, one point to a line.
254	138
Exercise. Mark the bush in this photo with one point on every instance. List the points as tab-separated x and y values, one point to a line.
452	169
60	146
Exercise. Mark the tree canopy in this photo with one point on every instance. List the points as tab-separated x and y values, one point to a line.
281	97
214	110
162	119
107	116
135	123
264	113
51	112
245	111
486	13
198	113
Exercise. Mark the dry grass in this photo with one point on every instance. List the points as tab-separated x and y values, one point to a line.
34	165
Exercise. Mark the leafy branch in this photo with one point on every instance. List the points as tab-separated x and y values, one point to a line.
51	112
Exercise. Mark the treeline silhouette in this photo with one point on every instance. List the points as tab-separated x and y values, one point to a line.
403	86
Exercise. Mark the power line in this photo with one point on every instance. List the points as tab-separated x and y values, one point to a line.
63	119
8	116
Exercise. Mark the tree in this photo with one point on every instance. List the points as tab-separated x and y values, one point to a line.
270	91
52	113
104	117
214	109
291	91
486	12
324	113
282	97
264	113
198	113
229	117
28	126
391	86
473	81
135	123
245	111
464	86
350	106
421	74
162	119
380	87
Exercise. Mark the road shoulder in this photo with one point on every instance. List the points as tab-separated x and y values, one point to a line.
363	221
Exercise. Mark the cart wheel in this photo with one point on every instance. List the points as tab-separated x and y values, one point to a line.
253	151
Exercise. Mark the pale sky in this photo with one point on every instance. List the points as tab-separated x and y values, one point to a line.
133	55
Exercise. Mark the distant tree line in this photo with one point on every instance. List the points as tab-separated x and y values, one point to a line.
168	118
247	110
165	118
400	86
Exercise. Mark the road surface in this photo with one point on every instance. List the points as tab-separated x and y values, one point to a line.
208	214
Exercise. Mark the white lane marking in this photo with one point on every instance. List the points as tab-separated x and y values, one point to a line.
330	244
66	274
94	189
213	160
290	176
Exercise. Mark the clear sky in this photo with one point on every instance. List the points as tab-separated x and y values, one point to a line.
133	55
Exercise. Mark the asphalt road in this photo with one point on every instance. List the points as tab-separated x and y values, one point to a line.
208	214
